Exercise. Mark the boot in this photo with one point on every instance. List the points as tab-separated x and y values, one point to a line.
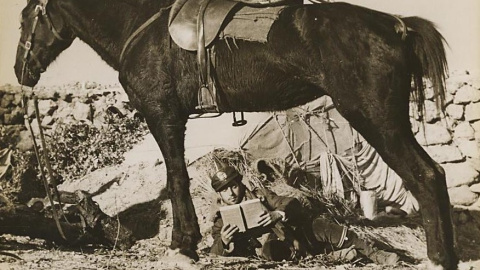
343	255
377	256
384	257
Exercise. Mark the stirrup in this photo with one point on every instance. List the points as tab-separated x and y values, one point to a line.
206	100
238	123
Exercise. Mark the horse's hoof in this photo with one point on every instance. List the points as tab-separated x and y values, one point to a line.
191	254
173	258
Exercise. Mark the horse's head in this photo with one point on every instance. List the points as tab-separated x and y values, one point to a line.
44	35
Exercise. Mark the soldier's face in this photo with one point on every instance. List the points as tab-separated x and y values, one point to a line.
232	194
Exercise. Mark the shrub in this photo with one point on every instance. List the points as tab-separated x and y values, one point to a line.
74	149
80	148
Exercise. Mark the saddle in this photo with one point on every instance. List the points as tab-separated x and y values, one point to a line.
193	25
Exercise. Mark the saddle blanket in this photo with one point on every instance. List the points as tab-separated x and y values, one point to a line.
252	24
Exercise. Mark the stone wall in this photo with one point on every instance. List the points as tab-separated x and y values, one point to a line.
453	139
58	104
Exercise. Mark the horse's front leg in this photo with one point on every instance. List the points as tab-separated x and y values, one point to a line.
169	132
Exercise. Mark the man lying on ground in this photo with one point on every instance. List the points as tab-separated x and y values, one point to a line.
285	233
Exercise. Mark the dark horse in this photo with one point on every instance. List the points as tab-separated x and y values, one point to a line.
355	55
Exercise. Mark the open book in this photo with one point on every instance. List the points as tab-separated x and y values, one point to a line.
245	215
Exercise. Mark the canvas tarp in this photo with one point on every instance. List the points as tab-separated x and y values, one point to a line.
316	138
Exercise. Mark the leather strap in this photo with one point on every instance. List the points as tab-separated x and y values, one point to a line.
139	30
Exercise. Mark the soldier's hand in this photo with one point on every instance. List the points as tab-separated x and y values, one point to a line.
270	217
227	233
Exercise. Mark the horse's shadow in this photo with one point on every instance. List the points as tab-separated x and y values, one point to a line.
467	233
466	230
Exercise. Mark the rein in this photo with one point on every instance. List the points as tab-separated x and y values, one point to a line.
40	9
140	29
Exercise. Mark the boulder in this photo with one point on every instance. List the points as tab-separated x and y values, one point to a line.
17	100
64	110
432	134
46	107
475	163
459	174
4	111
46	93
476	127
462	196
25	141
469	149
432	114
82	111
414	125
475	188
448	98
47	120
455	111
444	153
464	131
6	100
466	94
15	117
453	86
472	112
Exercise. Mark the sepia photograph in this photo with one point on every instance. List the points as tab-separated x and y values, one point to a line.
240	134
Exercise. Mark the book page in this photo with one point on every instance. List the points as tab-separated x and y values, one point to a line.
232	214
252	209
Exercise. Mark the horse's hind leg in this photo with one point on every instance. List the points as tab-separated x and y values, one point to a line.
380	114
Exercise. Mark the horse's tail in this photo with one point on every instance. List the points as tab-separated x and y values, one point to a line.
426	58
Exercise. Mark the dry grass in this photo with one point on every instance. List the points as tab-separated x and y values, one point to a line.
404	236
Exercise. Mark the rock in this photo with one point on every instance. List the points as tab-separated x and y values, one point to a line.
429	93
25	141
47	120
448	98
90	85
4	111
64	110
459	174
462	196
414	124
472	112
476	127
17	100
15	117
475	163
453	86
451	123
46	107
469	148
444	153
464	131
46	93
466	94
475	188
82	111
6	100
432	134
432	114
34	124
455	111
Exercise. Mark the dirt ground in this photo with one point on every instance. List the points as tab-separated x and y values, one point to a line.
142	179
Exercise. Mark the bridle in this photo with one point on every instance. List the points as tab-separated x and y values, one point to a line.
41	10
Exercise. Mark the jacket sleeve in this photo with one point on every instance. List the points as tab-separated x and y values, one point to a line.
240	246
218	247
290	206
